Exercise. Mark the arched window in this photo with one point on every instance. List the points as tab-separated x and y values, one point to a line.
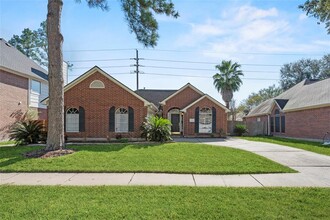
121	120
97	84
72	120
205	120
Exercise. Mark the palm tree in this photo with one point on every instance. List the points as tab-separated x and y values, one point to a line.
228	80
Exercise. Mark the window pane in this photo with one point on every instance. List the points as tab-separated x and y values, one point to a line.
205	120
283	124
35	86
121	120
271	124
72	120
277	124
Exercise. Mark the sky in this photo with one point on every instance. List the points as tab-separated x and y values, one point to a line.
261	35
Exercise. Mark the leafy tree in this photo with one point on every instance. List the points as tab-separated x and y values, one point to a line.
255	99
139	15
228	80
33	43
293	73
319	9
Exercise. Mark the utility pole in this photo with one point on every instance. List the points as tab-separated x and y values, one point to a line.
137	65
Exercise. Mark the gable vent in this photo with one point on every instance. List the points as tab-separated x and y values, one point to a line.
97	84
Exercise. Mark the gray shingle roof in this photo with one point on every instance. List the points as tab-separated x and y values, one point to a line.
306	94
13	59
154	95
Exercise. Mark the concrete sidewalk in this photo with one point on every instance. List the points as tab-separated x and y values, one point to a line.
314	171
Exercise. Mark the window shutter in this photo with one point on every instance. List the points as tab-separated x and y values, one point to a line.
64	118
81	119
197	120
112	119
214	120
130	119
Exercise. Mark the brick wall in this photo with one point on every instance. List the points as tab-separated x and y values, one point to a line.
312	123
257	125
221	118
181	100
97	102
13	90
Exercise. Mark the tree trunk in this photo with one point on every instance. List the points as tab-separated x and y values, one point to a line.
227	96
55	138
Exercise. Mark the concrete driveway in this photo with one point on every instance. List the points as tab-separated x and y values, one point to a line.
314	171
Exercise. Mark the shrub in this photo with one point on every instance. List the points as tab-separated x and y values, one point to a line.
240	129
157	129
26	132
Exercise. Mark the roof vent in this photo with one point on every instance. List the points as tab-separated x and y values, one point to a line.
8	44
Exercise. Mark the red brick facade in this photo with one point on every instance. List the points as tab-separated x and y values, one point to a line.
181	99
257	125
221	119
13	100
311	123
304	124
97	103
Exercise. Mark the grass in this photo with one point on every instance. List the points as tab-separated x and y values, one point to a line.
2	143
120	202
315	147
164	158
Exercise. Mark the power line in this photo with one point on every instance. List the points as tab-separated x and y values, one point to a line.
98	50
105	67
200	51
199	76
76	61
201	62
201	69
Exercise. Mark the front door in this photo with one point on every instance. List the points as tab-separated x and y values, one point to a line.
175	120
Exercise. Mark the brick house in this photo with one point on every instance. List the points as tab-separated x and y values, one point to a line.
23	84
98	107
303	111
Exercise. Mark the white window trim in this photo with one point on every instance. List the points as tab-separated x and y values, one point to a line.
205	128
97	87
76	128
121	126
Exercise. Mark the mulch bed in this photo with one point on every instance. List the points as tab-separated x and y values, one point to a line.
48	154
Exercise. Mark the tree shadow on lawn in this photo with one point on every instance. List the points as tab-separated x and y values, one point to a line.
111	147
14	154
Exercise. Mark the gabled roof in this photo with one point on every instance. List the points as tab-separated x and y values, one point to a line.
155	95
263	108
205	96
163	102
305	95
13	61
99	70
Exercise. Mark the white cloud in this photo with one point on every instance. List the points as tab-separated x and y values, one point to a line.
249	13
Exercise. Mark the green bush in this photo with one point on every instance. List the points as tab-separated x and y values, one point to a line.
240	129
157	129
27	132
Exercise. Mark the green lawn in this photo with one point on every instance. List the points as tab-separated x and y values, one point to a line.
109	202
316	147
165	158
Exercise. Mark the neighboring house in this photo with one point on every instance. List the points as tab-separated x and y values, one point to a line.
98	107
303	111
23	84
